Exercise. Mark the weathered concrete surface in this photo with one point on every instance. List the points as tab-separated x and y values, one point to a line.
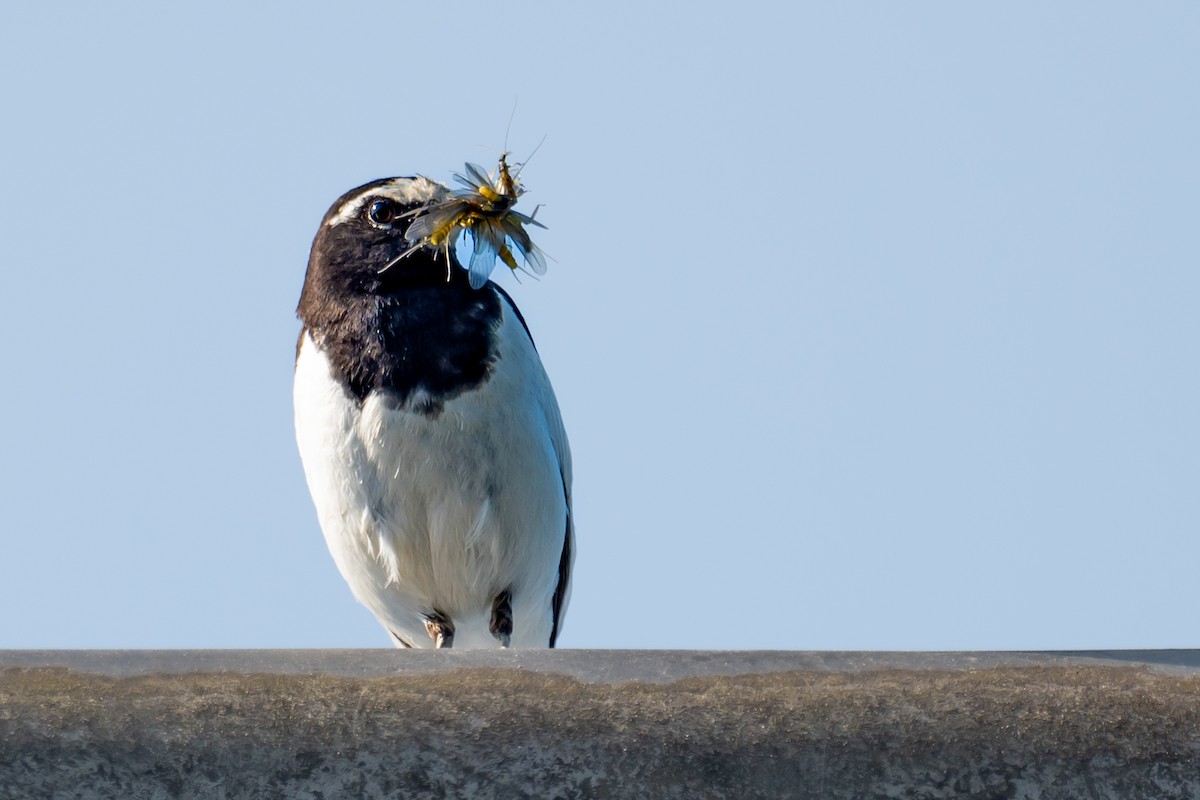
376	724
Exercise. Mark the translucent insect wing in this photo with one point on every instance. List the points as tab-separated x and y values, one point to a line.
487	238
530	252
474	178
436	222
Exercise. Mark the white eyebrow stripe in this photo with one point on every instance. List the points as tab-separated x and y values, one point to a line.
405	191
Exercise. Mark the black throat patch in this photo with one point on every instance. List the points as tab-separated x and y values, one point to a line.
421	346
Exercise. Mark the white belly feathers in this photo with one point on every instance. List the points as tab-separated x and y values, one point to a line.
423	514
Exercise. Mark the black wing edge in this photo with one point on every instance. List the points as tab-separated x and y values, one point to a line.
564	571
512	304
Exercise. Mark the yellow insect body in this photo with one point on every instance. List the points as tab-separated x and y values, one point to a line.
484	209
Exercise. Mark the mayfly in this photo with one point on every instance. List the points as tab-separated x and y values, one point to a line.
485	209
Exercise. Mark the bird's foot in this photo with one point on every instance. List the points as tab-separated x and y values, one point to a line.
440	629
502	622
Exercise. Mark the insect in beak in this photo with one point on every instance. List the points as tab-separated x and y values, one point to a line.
484	209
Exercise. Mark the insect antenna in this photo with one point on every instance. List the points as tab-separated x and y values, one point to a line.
521	164
511	116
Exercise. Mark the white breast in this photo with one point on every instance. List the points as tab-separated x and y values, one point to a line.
442	512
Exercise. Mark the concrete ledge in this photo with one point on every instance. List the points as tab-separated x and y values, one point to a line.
546	724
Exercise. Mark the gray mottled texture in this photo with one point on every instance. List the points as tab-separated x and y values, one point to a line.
376	724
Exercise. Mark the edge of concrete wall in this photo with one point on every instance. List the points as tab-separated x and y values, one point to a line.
594	666
578	723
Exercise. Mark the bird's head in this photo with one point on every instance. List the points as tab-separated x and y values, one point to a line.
363	233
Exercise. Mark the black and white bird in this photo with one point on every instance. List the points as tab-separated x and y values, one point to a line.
431	439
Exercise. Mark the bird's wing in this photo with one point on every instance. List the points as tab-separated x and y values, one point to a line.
562	449
562	590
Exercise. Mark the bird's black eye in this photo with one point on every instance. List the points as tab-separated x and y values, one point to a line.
382	212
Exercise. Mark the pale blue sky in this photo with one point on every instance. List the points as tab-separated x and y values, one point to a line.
874	325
